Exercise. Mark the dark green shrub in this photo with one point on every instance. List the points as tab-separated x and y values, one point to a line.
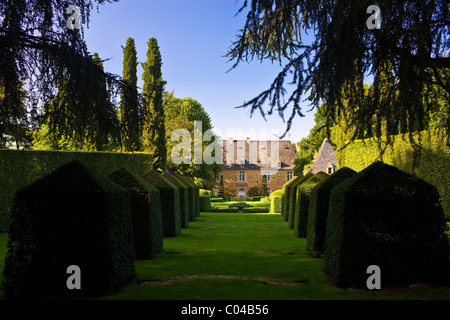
19	168
205	204
170	203
192	196
291	199
145	205
72	216
302	203
229	210
184	198
318	210
284	197
275	201
386	217
255	210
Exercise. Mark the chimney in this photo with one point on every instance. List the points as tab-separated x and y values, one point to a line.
248	140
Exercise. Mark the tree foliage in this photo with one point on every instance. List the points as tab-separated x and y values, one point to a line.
414	38
129	103
154	132
38	48
181	113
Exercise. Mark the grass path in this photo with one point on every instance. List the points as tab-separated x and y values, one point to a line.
236	256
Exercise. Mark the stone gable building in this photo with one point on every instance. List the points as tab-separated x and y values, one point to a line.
247	161
325	159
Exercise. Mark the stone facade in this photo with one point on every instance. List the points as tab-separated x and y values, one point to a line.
246	161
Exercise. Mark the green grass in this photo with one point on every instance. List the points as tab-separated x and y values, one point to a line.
230	256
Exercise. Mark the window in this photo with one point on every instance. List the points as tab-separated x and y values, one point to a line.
242	162
330	170
241	175
289	175
267	176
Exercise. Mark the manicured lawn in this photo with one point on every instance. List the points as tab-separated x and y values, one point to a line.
241	256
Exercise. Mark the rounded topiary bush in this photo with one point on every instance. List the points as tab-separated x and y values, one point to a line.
145	205
170	203
275	201
302	203
318	210
72	216
184	198
386	217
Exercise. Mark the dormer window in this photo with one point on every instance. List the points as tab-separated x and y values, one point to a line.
242	163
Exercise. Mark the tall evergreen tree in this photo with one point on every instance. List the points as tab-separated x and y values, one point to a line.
129	104
154	132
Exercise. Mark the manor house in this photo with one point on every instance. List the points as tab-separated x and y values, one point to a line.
247	161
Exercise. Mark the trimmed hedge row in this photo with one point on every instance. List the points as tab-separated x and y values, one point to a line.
170	203
205	204
19	168
145	206
275	201
193	195
318	210
255	210
72	216
302	203
291	199
386	217
184	198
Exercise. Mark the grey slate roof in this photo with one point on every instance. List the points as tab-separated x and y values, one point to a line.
325	156
251	155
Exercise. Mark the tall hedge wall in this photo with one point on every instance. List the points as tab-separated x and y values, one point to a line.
431	162
19	168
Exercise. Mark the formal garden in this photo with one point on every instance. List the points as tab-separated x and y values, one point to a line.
111	185
314	239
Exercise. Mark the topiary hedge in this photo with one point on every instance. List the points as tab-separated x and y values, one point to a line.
275	201
184	198
302	203
170	203
72	216
192	196
291	199
386	217
145	205
318	210
19	168
284	197
255	210
205	204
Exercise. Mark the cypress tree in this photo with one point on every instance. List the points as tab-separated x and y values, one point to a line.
129	104
154	132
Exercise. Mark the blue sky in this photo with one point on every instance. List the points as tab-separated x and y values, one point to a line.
193	36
